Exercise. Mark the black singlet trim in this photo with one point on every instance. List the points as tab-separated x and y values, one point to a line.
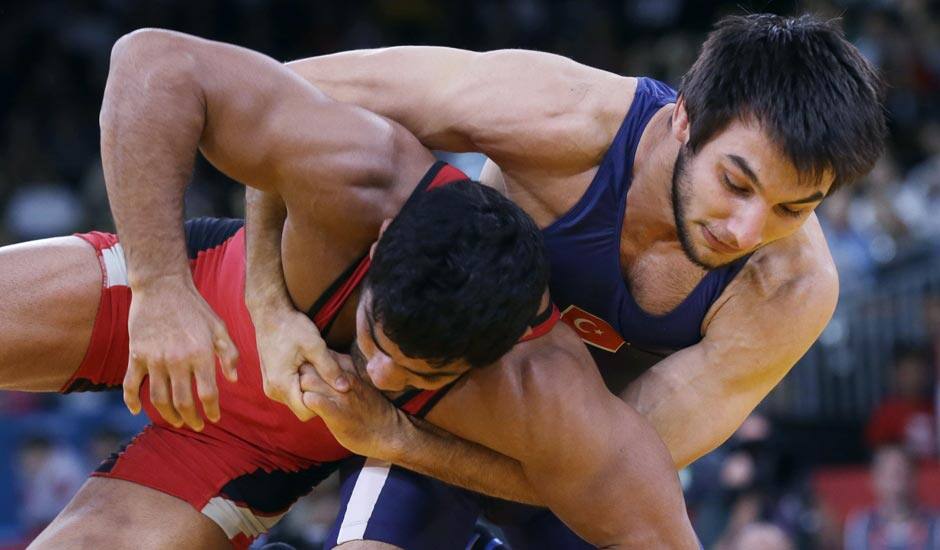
330	291
207	233
427	179
340	280
426	408
404	398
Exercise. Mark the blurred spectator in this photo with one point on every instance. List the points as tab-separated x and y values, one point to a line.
765	536
49	473
906	416
897	521
741	483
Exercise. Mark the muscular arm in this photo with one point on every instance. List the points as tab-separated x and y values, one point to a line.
772	316
429	450
169	94
526	110
590	458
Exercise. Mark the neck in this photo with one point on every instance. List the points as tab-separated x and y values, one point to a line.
649	201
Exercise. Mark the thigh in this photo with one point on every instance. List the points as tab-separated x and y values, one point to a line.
113	513
384	506
51	291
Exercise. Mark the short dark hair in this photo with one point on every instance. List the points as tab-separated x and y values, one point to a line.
812	90
458	274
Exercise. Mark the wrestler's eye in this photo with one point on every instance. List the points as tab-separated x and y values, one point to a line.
789	212
736	189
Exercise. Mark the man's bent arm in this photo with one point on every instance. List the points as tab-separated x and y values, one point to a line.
424	448
591	458
367	423
697	397
264	276
524	109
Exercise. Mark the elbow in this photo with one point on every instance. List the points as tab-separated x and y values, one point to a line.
143	45
154	58
148	64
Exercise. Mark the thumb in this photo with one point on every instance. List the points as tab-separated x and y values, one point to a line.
318	355
295	400
227	352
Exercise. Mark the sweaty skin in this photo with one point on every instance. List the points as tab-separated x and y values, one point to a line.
329	163
546	131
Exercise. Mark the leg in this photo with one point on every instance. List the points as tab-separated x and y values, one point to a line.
51	290
112	513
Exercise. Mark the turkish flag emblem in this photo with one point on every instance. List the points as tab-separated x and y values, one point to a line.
592	329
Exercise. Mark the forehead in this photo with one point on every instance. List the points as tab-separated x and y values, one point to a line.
748	140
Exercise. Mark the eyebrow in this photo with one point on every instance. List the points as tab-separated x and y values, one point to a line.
817	196
746	168
429	375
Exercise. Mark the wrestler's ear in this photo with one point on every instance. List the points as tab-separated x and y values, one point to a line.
680	122
381	232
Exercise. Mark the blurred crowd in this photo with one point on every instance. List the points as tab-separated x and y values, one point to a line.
756	491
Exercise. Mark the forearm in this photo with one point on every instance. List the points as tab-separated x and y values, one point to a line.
428	450
151	120
691	419
265	289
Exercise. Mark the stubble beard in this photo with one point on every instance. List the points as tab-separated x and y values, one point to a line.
680	200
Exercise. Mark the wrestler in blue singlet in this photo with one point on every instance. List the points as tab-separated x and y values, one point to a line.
587	284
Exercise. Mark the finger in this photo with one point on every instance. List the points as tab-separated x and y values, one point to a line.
133	378
184	403
208	392
329	370
310	379
295	400
317	402
227	352
161	399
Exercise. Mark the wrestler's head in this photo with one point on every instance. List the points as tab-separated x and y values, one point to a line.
455	280
774	115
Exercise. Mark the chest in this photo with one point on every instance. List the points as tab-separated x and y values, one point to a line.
660	278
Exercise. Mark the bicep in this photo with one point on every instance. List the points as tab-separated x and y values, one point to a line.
516	106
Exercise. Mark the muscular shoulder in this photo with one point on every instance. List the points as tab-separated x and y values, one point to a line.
799	263
793	280
545	108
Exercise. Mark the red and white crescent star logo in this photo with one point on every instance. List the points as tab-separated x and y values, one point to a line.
592	329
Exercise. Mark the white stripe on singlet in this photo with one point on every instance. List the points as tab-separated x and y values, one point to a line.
365	494
115	265
235	519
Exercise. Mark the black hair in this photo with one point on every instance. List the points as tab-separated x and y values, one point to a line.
809	88
458	274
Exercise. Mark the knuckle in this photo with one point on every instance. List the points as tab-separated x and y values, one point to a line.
209	395
160	401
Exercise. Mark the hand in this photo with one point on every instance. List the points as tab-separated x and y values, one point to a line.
362	419
286	341
175	337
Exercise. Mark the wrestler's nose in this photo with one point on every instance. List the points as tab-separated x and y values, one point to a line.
383	373
746	229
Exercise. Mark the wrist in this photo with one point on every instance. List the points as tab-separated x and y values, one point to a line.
267	303
141	283
395	441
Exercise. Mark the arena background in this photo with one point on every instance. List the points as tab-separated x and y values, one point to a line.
799	463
